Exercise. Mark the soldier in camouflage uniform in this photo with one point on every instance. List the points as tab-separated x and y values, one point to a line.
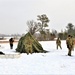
69	42
58	43
28	45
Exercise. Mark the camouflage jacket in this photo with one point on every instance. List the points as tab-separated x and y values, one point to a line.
58	41
69	41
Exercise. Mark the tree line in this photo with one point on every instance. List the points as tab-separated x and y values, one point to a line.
40	31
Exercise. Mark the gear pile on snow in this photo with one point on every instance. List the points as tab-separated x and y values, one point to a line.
27	41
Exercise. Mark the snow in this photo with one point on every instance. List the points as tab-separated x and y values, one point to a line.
55	62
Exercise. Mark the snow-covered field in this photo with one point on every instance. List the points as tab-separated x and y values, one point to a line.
55	62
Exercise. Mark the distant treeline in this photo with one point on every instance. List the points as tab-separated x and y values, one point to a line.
44	33
70	30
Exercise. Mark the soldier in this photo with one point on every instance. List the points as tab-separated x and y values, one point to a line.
11	40
28	45
69	42
58	43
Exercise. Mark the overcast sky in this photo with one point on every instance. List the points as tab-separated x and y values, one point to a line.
15	13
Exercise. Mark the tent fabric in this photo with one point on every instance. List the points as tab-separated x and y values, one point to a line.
23	45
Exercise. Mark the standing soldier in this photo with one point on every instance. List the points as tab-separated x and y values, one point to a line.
11	40
58	43
69	42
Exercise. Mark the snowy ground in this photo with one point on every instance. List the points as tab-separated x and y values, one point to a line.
55	62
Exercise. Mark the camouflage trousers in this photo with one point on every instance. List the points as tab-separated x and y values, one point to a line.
11	46
59	46
70	50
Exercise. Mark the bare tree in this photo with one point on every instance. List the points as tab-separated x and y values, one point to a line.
33	26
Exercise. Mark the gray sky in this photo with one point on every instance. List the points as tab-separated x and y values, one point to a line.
15	13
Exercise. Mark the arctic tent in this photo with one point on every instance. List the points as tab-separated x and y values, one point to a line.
36	46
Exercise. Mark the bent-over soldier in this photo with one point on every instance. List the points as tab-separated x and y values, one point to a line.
11	40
